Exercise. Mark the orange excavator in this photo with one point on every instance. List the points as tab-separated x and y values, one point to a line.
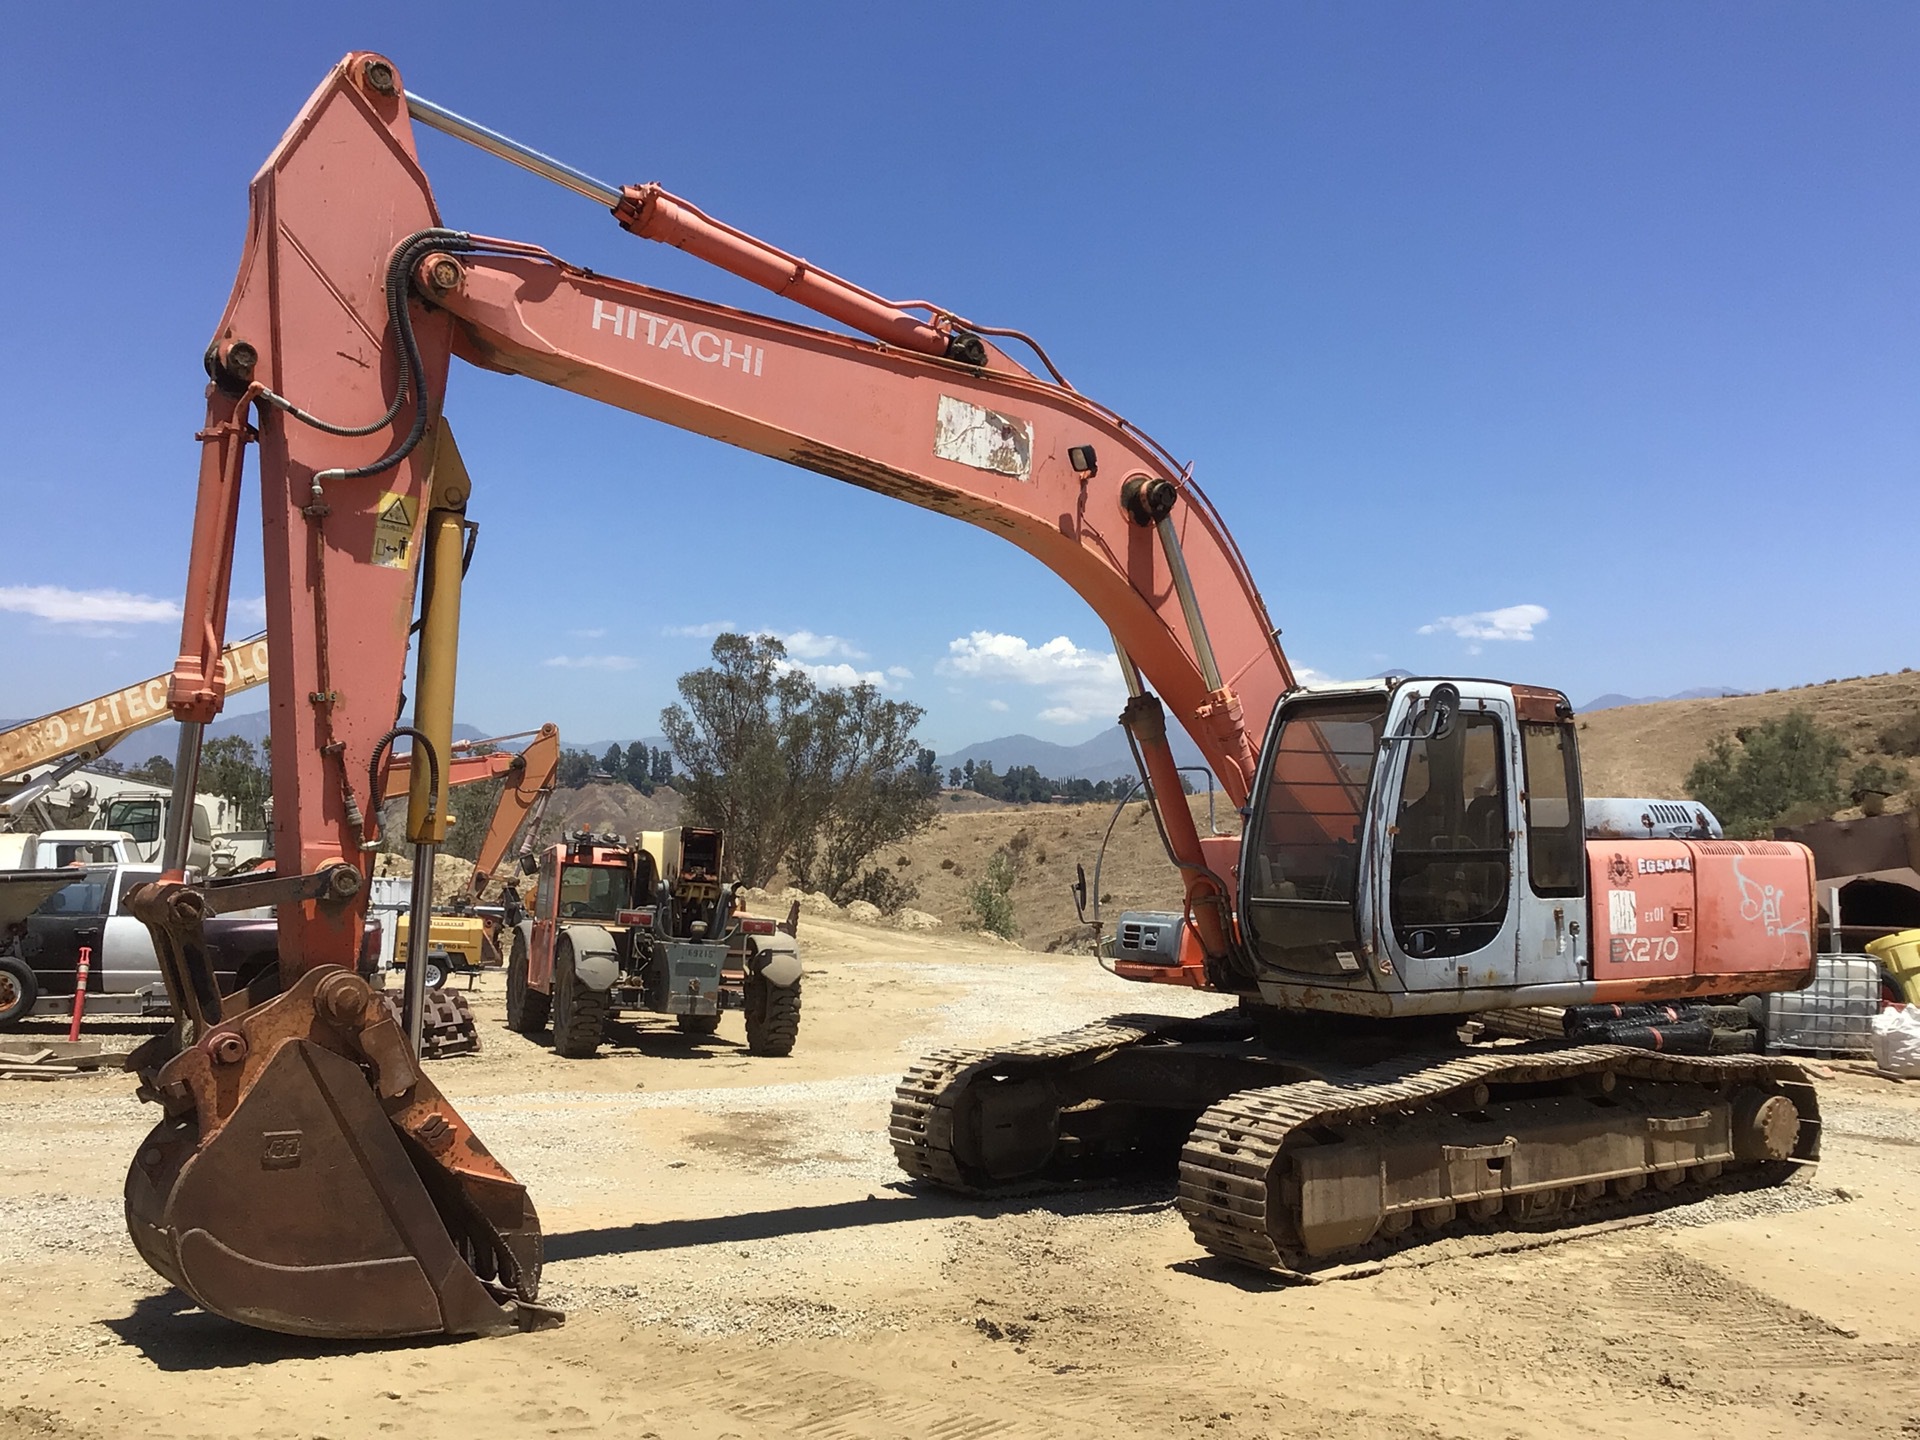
1413	850
459	935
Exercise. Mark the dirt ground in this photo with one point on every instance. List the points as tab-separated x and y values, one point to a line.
737	1260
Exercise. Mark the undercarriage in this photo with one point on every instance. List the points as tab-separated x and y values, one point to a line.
1308	1141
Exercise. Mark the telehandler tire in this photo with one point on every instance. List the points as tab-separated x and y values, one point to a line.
697	1024
773	1016
527	1008
579	1013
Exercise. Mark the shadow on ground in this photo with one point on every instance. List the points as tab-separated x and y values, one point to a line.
176	1335
903	1205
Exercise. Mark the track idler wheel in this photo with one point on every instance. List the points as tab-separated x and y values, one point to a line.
285	1191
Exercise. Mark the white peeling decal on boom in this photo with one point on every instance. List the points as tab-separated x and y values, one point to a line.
984	439
664	334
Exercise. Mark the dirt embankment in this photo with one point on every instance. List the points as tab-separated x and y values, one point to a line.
1648	749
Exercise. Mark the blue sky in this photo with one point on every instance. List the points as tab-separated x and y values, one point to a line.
1578	345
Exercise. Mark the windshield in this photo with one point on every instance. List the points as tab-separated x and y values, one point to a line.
1304	863
592	892
139	818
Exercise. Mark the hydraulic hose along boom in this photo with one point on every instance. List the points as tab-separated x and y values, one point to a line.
1351	892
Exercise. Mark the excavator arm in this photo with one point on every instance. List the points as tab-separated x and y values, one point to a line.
529	774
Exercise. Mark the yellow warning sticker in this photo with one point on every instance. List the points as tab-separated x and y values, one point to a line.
393	532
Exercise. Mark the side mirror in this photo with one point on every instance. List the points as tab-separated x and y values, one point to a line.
1436	717
529	864
1079	888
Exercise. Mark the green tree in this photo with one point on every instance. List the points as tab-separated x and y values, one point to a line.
662	768
614	762
867	786
991	896
155	770
816	779
229	768
572	769
638	768
1753	778
954	777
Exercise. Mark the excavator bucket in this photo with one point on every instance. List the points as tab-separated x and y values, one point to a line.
308	1178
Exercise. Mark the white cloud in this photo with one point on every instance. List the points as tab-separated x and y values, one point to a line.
63	606
805	645
1078	684
1000	706
591	662
899	672
250	608
838	675
1511	622
705	630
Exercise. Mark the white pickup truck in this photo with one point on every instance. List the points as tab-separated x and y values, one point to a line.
57	849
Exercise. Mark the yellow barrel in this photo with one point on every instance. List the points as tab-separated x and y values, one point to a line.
1899	956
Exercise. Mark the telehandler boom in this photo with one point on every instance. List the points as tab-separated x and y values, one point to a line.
1413	851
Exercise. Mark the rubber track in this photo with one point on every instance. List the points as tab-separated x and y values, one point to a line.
921	1125
1233	1150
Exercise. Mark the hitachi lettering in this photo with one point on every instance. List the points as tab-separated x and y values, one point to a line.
664	334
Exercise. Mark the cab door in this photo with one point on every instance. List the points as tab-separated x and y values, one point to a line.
1445	887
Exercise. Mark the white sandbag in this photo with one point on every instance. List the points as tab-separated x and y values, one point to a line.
1896	1040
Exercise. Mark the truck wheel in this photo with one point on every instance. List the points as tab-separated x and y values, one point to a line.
579	1013
436	968
773	1016
697	1024
527	1008
18	991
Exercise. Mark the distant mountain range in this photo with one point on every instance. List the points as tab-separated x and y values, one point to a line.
1615	702
1104	757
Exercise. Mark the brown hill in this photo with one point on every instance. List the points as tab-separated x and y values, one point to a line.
1648	749
608	808
945	861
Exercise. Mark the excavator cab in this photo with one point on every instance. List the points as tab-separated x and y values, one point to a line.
1416	839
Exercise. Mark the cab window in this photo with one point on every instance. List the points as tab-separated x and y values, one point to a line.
83	897
1451	871
591	892
1556	824
139	818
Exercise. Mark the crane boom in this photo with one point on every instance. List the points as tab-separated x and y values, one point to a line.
93	726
